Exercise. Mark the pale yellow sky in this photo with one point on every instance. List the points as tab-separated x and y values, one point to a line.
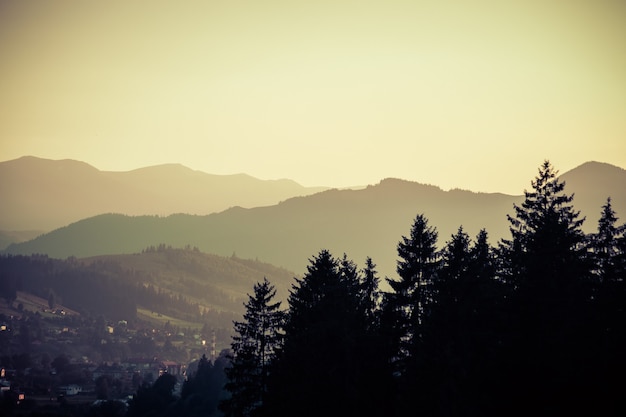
454	93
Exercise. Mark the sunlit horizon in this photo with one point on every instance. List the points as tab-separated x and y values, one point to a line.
373	181
331	94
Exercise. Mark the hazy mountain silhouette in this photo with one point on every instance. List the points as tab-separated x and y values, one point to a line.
16	236
592	182
43	194
366	222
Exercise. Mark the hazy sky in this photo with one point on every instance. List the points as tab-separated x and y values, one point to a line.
469	94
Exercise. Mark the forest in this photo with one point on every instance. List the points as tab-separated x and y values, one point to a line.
101	289
533	324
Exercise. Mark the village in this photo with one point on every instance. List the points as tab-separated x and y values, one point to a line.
56	356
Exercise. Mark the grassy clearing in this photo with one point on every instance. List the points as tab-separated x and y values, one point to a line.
159	320
33	304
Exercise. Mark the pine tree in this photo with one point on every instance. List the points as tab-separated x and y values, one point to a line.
406	311
156	400
451	288
453	281
324	367
254	347
371	292
376	383
409	302
483	262
546	266
610	309
461	345
441	373
605	245
203	390
547	247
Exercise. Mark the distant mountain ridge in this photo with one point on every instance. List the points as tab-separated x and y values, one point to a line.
365	222
43	194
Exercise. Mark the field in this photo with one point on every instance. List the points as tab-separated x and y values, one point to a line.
33	304
159	320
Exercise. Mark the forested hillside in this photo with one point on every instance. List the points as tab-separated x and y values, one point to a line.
182	283
363	223
528	325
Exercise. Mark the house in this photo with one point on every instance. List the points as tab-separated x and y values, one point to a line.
154	366
113	371
71	389
172	368
4	386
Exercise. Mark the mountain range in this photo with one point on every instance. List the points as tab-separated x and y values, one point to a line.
42	194
358	222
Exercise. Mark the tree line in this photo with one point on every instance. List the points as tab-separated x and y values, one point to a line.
534	325
101	288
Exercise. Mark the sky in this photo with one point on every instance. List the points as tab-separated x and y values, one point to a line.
473	95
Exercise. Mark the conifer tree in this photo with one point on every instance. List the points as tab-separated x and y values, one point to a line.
483	262
442	368
605	245
156	400
312	365
547	248
371	292
324	365
546	266
453	280
203	389
461	346
376	384
408	304
406	310
610	308
254	346
484	289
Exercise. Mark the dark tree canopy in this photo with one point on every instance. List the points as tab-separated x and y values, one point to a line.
606	246
547	246
409	303
547	266
328	365
254	346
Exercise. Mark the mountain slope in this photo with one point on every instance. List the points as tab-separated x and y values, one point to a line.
362	223
42	194
7	237
592	182
177	282
367	222
219	282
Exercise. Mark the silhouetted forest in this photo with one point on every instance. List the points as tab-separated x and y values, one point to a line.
534	324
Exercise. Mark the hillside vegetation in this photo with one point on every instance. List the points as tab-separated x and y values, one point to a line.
182	283
365	222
